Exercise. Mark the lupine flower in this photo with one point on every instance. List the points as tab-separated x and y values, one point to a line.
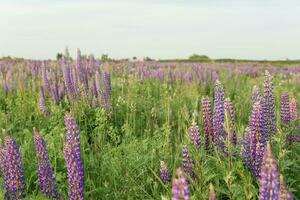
207	122
180	186
257	138
285	113
256	96
45	79
212	195
229	111
269	180
73	159
268	106
218	116
107	81
68	81
245	150
293	138
164	173
195	135
284	193
100	92
11	164
187	162
42	102
55	89
46	177
294	109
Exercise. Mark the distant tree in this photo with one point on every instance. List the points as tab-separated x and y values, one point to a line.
59	56
197	57
105	57
134	58
147	58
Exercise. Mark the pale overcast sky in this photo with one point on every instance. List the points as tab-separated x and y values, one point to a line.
254	29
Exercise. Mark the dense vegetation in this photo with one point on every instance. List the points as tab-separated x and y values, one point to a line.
153	106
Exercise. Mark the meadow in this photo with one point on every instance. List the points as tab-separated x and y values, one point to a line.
148	130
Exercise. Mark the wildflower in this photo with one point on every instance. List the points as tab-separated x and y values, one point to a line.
195	135
285	113
180	186
45	173
269	180
268	106
187	162
207	122
212	194
164	173
73	159
11	165
218	116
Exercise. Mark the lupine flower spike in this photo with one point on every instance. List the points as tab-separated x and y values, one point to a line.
164	173
180	186
73	159
187	162
195	135
212	194
218	116
12	170
229	126
269	180
46	177
42	103
207	122
294	109
285	112
284	193
268	106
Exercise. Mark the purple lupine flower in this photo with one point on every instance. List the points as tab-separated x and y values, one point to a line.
293	138
107	81
47	183
207	122
4	169
195	135
73	159
187	162
180	186
164	173
55	89
68	81
294	109
285	113
256	96
218	116
284	193
100	92
212	194
62	90
257	138
45	79
229	110
42	102
11	164
269	180
268	106
246	150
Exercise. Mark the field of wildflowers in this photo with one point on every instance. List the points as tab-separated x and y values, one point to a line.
86	129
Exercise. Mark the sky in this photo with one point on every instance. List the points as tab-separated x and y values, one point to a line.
254	29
